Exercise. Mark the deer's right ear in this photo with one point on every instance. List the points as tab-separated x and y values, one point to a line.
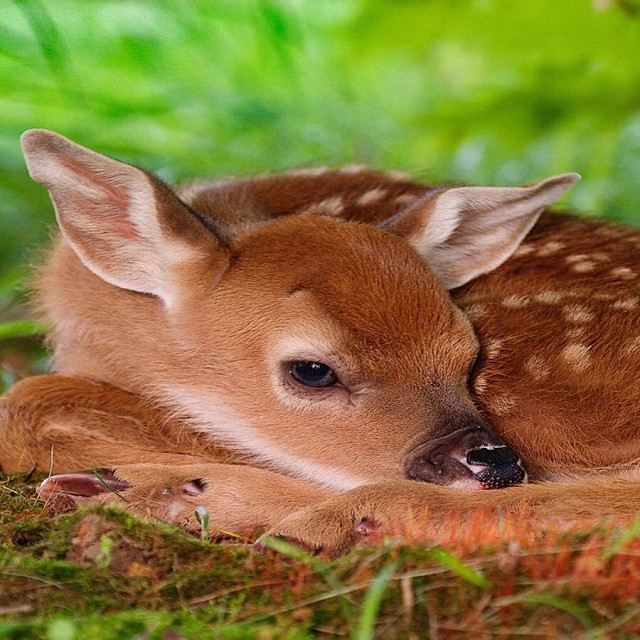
463	232
126	226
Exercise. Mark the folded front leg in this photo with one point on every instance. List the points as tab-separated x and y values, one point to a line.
59	423
238	500
430	513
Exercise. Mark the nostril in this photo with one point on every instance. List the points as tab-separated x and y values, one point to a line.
492	456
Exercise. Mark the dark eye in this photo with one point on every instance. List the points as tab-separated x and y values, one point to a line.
313	374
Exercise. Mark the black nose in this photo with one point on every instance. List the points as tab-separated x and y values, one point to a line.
502	467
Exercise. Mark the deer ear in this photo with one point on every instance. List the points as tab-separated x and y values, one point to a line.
463	232
126	226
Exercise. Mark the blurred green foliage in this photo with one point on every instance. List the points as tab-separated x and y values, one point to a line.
473	90
485	91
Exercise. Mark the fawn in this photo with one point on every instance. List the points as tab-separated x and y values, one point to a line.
318	353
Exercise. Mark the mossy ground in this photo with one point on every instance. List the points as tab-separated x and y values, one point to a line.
100	573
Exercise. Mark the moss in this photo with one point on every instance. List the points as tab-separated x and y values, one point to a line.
101	573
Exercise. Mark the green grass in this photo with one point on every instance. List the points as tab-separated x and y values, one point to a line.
492	91
100	573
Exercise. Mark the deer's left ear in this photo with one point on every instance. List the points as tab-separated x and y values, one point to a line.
463	232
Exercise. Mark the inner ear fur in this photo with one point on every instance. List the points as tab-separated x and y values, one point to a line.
125	225
463	232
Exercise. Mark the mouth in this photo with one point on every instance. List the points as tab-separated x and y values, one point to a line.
467	459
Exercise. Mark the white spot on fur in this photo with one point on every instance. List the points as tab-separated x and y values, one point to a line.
493	348
329	207
577	313
604	296
371	197
405	198
549	248
537	367
600	256
515	301
304	172
480	384
609	231
578	257
625	305
577	356
398	176
475	311
624	273
354	168
575	332
549	297
524	250
584	267
502	404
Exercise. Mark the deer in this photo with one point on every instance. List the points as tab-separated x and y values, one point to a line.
325	353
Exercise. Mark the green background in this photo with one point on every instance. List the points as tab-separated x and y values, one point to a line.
482	91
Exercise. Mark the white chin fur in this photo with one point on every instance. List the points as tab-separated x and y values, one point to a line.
212	417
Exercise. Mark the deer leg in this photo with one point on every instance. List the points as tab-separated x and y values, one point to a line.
238	500
59	424
427	512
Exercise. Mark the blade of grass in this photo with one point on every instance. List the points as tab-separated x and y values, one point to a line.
447	559
288	549
578	612
371	603
47	35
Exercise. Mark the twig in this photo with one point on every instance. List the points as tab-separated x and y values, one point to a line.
16	608
210	597
15	574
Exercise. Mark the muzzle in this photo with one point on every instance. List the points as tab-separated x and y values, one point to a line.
469	458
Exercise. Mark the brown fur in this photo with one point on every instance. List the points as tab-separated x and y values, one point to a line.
172	337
